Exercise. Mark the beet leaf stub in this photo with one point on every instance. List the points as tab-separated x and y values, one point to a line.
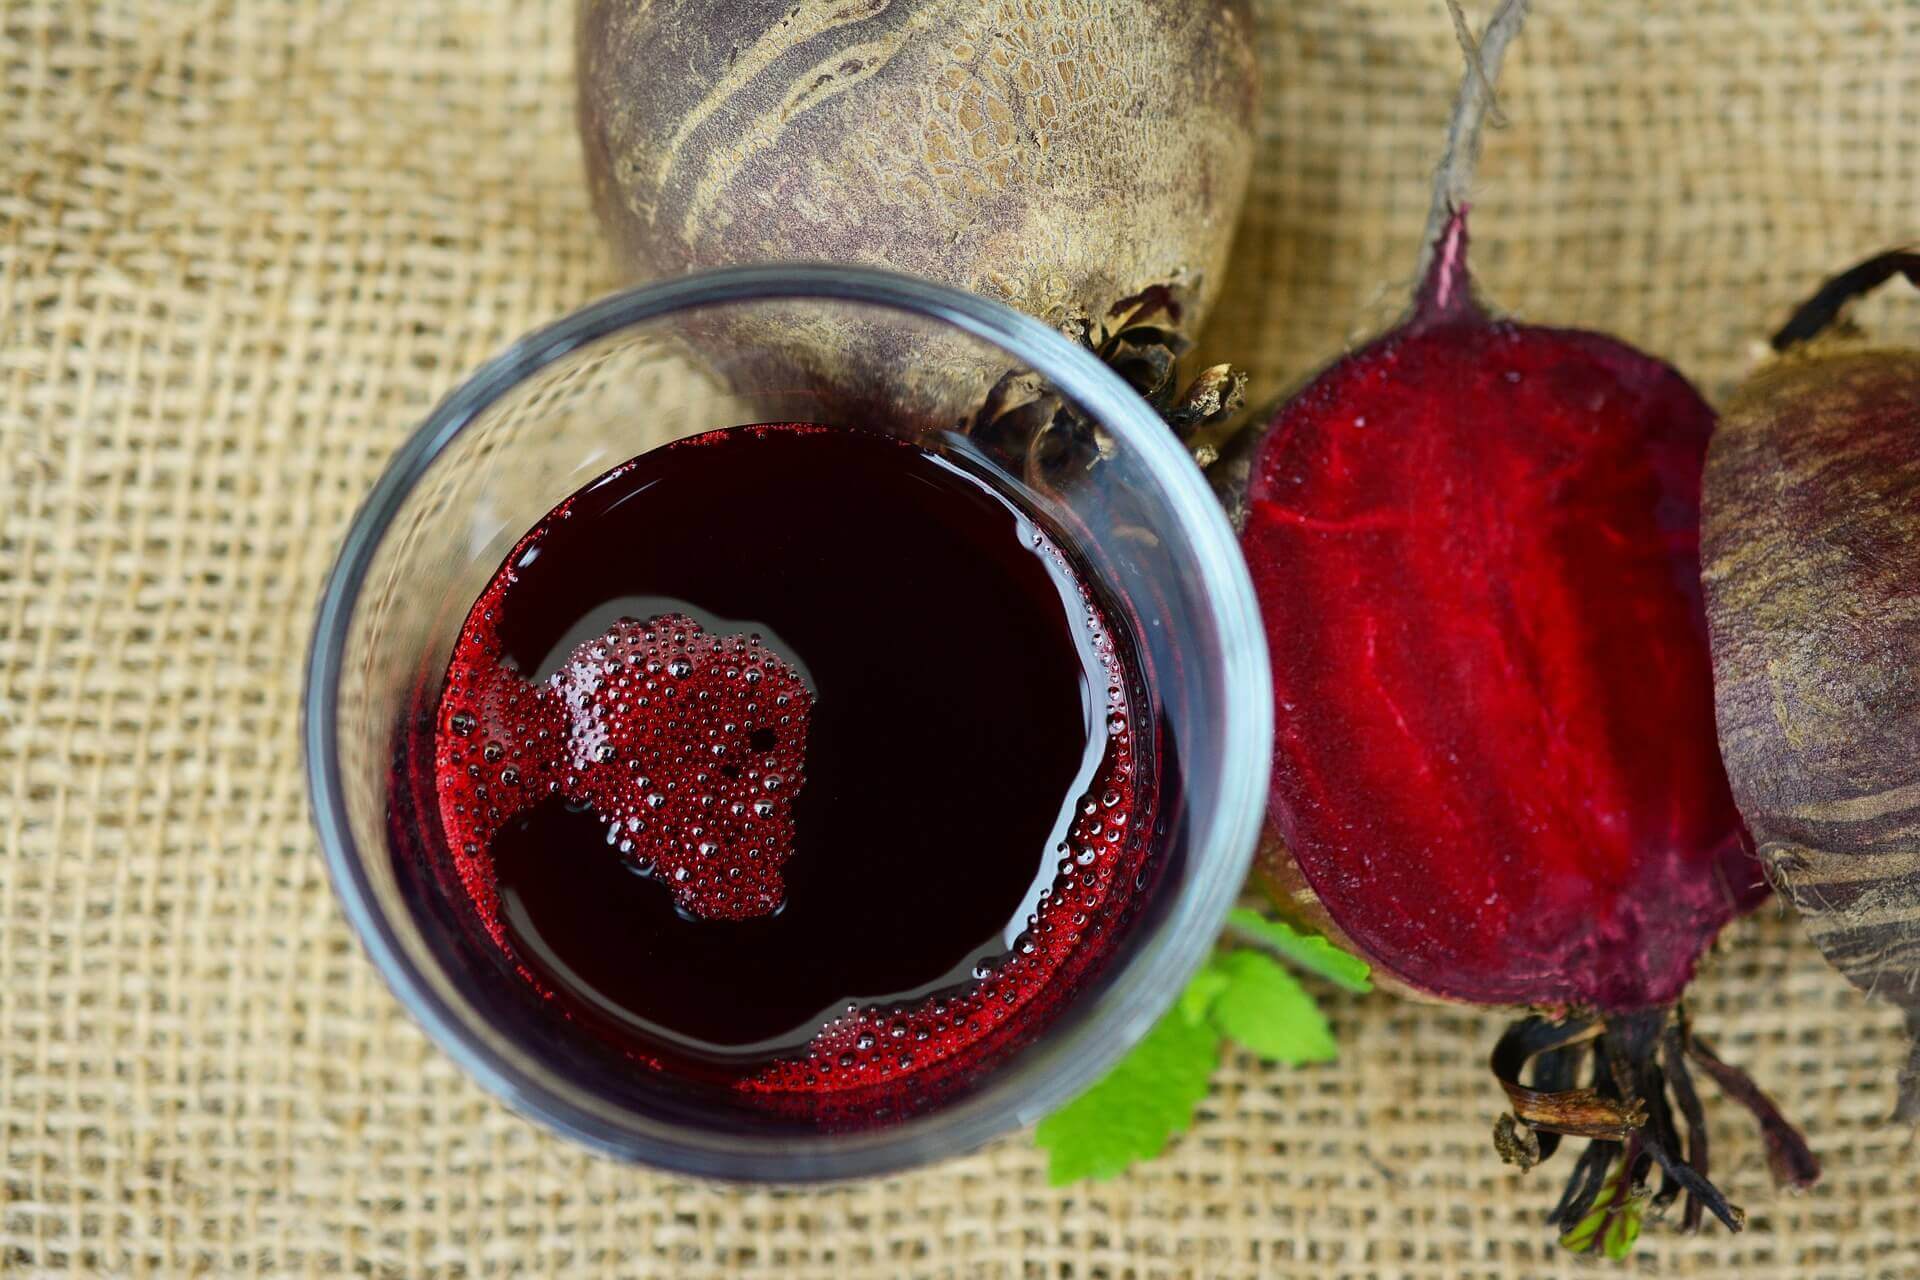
1637	1066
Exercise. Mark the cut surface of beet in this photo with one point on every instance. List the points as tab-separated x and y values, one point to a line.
1476	547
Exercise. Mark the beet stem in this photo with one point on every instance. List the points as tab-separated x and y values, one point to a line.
1684	1093
1698	1187
1660	1118
1635	1041
1629	1049
1583	1187
1817	313
1535	1035
1634	1163
1790	1160
1583	1113
1640	1076
1470	112
1556	1071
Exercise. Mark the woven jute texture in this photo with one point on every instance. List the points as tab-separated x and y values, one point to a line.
245	245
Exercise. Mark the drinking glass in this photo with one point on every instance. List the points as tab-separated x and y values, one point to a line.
779	343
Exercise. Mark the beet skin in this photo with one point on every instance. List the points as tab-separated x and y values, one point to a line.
1812	535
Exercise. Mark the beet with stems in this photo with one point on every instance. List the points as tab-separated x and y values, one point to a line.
1083	163
1475	545
1811	530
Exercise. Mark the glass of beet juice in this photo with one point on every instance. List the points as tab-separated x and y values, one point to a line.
805	767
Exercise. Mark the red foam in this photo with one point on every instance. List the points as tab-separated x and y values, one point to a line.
689	746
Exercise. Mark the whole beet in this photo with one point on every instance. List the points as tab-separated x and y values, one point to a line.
1812	546
1058	155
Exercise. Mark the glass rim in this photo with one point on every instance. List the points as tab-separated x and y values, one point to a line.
1056	1066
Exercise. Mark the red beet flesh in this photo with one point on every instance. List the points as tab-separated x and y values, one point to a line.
1476	548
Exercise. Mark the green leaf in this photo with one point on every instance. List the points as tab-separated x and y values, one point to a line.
1265	1008
1197	1000
1152	1094
1303	950
1580	1236
1614	1220
1141	1103
1623	1230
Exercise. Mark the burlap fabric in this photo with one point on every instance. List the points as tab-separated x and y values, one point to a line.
244	245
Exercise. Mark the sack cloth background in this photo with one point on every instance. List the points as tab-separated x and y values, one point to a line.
245	245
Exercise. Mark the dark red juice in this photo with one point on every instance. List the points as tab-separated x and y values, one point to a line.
798	760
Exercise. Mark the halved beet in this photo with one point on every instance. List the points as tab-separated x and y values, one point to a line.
1476	548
